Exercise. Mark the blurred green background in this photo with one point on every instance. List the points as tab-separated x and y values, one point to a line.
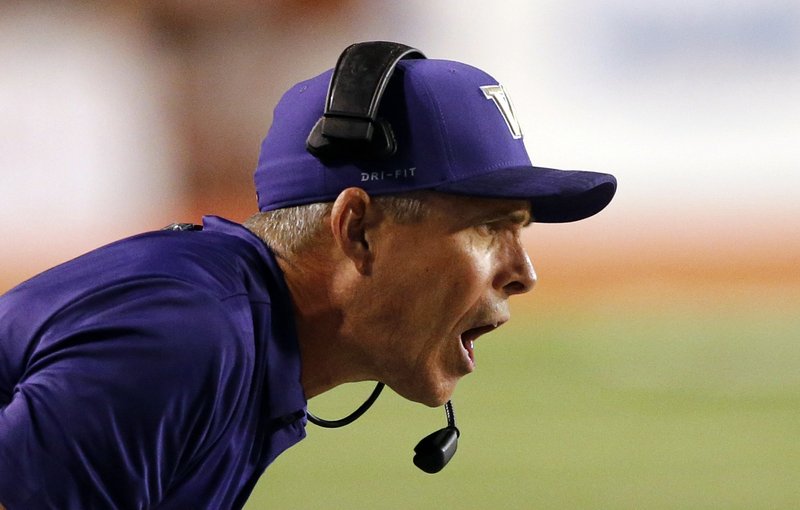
677	399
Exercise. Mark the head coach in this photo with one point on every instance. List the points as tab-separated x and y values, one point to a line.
169	369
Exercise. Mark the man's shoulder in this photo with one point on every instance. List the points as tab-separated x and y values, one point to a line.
184	288
217	263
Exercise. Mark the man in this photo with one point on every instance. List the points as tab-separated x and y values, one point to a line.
169	369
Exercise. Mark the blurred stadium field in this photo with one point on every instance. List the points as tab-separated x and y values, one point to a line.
659	397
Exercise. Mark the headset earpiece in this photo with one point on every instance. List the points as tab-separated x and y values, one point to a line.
350	127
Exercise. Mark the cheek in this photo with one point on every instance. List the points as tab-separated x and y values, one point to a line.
464	279
440	282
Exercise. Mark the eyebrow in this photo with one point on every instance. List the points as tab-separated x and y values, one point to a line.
523	217
517	216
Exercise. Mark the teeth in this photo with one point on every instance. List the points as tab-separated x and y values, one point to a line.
471	344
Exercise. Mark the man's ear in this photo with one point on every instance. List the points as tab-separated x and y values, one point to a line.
351	217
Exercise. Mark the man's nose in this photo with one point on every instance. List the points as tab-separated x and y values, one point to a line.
516	275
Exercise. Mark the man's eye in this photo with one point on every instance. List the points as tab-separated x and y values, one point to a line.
489	228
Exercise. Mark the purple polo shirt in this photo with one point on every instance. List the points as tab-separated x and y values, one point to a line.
161	371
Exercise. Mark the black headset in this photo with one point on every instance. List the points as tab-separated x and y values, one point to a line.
351	129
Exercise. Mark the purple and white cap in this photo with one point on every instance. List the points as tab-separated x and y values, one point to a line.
456	133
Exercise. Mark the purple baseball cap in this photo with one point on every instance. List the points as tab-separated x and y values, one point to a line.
456	133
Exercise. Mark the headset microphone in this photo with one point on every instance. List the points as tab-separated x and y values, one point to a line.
431	454
435	450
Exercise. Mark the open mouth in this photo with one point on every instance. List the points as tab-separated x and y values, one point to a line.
469	336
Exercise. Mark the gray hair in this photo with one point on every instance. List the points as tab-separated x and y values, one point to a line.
292	229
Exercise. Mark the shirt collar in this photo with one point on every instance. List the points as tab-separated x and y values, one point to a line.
285	396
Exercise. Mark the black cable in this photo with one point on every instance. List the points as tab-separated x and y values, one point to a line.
334	424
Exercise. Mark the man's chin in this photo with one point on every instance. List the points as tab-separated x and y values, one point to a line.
434	396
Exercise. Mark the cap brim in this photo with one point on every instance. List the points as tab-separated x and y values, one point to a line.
556	196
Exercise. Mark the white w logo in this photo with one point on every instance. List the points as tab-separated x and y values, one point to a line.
498	95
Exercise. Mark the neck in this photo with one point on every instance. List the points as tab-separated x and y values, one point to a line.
330	355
